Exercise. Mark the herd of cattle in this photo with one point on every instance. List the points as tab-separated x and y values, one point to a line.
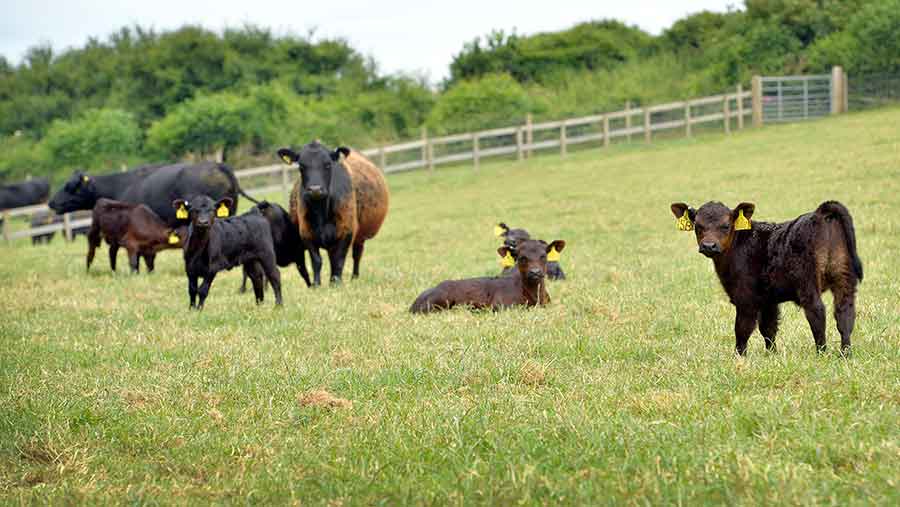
341	200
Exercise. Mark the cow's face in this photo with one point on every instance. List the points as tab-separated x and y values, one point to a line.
512	237
714	224
202	210
531	258
316	165
79	192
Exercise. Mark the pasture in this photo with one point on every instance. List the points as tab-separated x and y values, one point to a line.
625	390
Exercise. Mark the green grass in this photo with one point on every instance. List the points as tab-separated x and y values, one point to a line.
624	391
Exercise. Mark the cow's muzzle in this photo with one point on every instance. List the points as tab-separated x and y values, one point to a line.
710	249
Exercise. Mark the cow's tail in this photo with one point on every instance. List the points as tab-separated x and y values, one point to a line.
838	211
234	182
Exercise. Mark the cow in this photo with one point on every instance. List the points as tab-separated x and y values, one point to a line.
511	237
213	245
42	218
341	199
133	226
525	287
285	239
25	193
153	185
761	265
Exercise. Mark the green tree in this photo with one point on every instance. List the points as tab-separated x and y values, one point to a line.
491	101
96	138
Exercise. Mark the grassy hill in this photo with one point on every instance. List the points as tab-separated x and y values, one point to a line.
624	390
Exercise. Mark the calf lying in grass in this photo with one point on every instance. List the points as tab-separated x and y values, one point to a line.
214	245
524	288
511	238
133	226
762	264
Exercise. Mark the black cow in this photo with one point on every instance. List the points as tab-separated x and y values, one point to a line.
214	245
289	247
511	238
155	186
25	193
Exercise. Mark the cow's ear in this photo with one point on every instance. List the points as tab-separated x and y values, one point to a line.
223	207
746	207
556	246
341	150
179	203
679	209
685	216
288	156
501	230
506	256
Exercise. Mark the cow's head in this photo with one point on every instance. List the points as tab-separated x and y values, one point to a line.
317	167
531	258
511	237
201	210
79	192
714	224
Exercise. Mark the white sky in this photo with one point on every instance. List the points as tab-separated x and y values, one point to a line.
402	35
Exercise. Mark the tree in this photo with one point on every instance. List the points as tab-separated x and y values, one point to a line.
96	138
207	125
491	101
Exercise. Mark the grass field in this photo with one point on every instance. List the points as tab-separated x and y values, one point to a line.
624	391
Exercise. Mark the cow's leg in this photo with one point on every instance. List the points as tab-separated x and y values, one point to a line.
253	270
192	290
244	277
203	291
357	255
815	315
113	251
768	325
744	324
315	258
150	261
274	277
337	255
134	261
301	267
93	242
845	314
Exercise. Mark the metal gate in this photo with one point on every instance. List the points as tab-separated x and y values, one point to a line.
795	98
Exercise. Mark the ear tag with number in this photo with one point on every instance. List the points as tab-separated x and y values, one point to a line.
742	223
684	223
553	256
173	238
507	261
222	211
498	231
181	213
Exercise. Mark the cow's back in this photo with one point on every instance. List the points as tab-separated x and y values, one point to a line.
372	197
180	181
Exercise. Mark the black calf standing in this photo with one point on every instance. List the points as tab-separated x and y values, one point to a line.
214	245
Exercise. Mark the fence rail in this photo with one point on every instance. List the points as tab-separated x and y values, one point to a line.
523	140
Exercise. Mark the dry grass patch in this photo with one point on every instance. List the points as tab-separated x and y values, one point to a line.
324	399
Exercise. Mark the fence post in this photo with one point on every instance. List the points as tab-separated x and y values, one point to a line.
628	118
837	89
6	226
726	114
424	155
563	141
740	107
687	118
529	133
520	155
846	98
430	153
605	130
67	226
647	134
756	93
475	149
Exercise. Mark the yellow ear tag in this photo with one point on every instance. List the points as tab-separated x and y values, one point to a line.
85	179
498	231
222	212
742	223
173	238
684	223
287	159
181	213
553	256
507	261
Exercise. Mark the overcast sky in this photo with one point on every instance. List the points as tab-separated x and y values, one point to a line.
402	35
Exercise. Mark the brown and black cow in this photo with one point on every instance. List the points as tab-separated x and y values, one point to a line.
340	200
761	265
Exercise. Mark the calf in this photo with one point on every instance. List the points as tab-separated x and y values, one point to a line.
763	264
511	237
525	288
134	226
285	239
214	245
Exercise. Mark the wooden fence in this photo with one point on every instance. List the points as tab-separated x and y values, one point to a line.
729	111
